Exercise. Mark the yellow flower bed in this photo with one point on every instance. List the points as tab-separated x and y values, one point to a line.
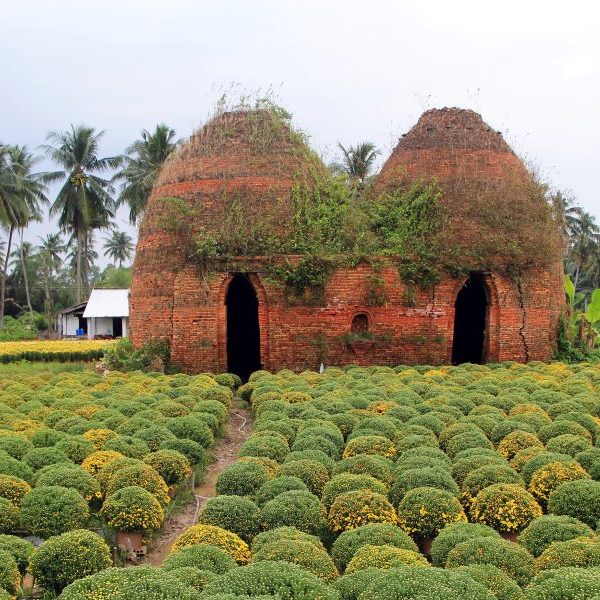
46	350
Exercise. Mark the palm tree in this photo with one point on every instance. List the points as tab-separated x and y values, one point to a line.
21	193
358	161
585	235
146	157
119	247
50	251
84	202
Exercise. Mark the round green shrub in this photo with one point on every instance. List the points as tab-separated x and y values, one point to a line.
192	428
132	508
19	548
374	534
241	479
15	445
298	509
509	557
9	516
579	499
192	450
271	489
452	535
384	558
567	583
203	557
311	472
360	507
538	461
301	553
494	580
484	477
505	507
117	583
410	442
313	442
578	552
464	441
563	427
284	533
10	577
270	579
347	482
42	457
193	577
545	530
128	446
425	583
171	465
153	436
233	513
77	449
367	464
370	444
15	468
315	455
71	476
425	477
568	444
352	585
141	475
52	510
65	558
465	466
268	446
425	511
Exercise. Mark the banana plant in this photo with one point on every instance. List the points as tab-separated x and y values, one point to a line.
589	321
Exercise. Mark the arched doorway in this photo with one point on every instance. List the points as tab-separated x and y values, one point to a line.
243	331
470	323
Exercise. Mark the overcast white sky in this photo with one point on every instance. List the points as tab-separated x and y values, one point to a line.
348	70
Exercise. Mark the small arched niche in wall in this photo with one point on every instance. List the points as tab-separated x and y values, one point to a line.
360	340
360	324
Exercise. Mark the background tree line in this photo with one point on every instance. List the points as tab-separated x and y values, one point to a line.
60	269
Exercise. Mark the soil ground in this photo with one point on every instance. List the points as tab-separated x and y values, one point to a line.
237	431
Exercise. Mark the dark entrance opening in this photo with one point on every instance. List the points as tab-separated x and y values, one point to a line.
243	332
117	327
82	324
470	323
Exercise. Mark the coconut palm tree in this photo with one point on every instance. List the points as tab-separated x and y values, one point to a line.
358	161
84	202
21	193
50	253
119	247
146	157
585	236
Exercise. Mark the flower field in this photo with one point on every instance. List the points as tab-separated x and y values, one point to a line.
53	350
80	453
470	482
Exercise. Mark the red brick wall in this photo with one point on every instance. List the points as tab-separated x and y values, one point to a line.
520	326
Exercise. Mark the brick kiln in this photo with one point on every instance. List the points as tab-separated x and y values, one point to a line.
502	304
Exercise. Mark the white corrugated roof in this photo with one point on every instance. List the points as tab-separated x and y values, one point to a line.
107	303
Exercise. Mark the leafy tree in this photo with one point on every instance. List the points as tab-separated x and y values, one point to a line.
115	278
50	253
119	247
21	193
357	161
145	158
84	202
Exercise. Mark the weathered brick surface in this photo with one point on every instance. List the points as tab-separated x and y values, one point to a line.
170	296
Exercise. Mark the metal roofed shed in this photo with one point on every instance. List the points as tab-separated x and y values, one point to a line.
107	313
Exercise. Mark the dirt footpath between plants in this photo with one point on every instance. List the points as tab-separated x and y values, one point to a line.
237	430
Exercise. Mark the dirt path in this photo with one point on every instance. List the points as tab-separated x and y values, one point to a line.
237	431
